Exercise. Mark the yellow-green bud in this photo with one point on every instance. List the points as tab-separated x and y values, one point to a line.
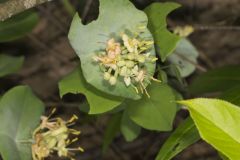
130	56
60	130
121	63
125	51
129	71
130	64
106	76
51	142
112	80
141	58
123	71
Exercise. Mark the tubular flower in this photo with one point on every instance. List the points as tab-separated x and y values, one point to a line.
184	31
126	60
52	136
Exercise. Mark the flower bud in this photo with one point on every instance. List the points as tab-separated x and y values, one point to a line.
127	81
130	56
112	80
123	71
121	63
130	64
141	58
106	76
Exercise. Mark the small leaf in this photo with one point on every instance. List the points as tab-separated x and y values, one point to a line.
10	64
99	101
18	26
216	80
115	17
111	131
185	135
184	56
20	113
218	124
129	129
156	112
166	41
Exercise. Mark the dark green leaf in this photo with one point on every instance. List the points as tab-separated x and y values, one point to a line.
129	129
232	95
156	112
2	1
18	26
9	64
216	80
185	135
166	41
111	131
20	113
99	101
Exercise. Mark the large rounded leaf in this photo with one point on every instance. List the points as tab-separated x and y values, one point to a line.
156	112
99	102
20	113
115	17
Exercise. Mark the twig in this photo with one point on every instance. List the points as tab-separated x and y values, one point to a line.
216	27
13	7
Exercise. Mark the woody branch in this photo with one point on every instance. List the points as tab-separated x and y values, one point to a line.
13	7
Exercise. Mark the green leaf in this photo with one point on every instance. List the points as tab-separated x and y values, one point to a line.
184	56
111	131
115	17
165	40
129	129
218	124
185	135
232	95
216	80
10	64
99	101
18	26
2	1
156	112
20	113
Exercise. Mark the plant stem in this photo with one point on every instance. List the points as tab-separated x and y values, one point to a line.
13	7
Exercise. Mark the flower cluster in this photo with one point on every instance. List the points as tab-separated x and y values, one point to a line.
53	136
126	60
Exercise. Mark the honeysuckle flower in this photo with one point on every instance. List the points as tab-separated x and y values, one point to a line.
127	58
107	76
130	44
113	49
183	31
53	135
112	80
127	81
